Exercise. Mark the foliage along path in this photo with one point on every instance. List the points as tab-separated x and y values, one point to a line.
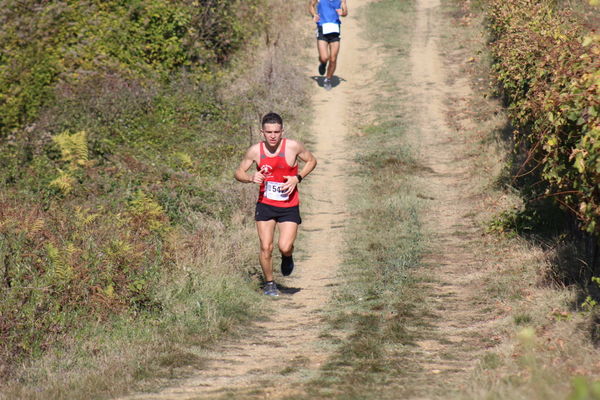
279	354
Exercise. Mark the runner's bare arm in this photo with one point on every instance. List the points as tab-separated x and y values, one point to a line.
241	173
312	9
310	162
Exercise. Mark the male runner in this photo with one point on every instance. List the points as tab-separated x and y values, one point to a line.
276	160
326	13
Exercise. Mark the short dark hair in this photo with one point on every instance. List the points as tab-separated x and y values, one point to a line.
272	118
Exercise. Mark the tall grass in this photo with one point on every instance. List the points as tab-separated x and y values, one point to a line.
149	229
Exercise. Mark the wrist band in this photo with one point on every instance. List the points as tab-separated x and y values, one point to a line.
299	178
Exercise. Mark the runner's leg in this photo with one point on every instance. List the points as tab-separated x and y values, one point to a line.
323	48
334	49
287	236
266	231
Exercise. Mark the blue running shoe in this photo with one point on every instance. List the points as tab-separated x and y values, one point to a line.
287	265
270	289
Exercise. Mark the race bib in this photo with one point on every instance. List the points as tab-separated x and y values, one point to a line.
274	191
330	27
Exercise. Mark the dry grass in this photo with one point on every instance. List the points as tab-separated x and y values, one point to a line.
208	299
272	74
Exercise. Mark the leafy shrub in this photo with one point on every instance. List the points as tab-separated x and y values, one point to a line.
112	132
49	43
549	70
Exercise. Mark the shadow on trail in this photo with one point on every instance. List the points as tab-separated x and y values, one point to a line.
335	80
288	289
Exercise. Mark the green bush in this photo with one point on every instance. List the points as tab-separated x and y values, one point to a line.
549	69
57	42
112	139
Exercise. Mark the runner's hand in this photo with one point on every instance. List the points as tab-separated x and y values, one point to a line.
316	18
258	177
290	184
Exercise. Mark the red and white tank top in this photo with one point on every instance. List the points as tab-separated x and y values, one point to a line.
274	169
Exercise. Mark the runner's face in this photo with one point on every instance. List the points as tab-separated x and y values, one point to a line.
272	134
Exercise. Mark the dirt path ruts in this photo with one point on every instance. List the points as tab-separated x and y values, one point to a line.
453	263
286	348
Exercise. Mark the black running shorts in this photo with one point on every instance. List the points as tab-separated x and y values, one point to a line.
265	212
330	37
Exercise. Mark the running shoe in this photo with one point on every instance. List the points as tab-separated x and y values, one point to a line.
322	68
287	265
327	84
270	289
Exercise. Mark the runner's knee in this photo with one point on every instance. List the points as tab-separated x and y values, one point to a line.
286	248
266	249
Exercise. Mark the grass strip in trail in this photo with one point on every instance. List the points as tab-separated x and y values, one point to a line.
383	237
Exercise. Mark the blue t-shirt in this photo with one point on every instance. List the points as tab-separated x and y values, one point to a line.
327	13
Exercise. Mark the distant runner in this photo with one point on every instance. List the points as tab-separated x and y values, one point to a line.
326	13
276	160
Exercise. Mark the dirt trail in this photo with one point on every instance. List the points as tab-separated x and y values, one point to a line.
286	348
453	262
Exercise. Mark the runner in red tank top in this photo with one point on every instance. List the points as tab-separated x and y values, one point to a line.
278	202
274	169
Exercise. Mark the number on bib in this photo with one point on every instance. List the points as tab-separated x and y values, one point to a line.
274	191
